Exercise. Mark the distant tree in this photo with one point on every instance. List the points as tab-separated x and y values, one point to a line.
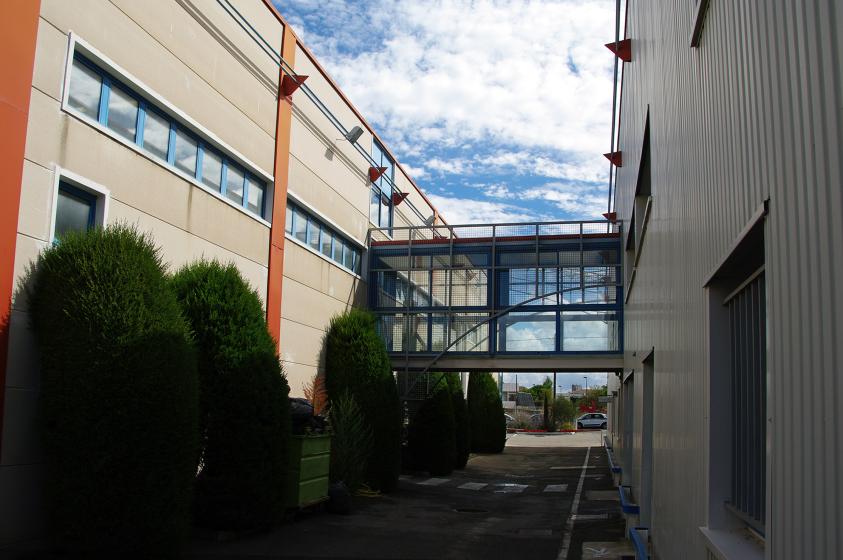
563	410
591	401
538	391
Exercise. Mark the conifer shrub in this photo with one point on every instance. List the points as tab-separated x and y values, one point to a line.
351	442
119	394
485	414
462	430
431	433
244	405
356	362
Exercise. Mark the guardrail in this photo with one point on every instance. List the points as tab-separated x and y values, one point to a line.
469	233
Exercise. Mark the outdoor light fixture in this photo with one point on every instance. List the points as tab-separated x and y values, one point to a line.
430	220
354	134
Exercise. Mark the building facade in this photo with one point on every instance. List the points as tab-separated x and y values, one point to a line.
724	421
191	120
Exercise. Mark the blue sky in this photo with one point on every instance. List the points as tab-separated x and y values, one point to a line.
499	110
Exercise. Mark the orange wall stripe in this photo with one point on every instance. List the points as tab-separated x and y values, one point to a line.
18	33
281	172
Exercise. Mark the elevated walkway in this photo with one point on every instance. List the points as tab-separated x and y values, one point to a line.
541	296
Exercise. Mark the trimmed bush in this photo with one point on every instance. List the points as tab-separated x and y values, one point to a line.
351	443
245	411
462	435
485	414
119	392
356	363
431	434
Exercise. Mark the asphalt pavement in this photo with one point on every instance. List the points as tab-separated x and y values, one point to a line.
512	505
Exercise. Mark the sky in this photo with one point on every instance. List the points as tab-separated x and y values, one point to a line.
500	111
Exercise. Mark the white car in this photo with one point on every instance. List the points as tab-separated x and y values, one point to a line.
592	420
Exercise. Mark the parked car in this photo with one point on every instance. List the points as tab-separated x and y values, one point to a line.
510	421
592	420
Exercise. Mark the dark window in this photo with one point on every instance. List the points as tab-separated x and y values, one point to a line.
75	210
747	321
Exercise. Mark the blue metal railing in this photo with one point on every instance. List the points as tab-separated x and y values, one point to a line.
626	505
638	543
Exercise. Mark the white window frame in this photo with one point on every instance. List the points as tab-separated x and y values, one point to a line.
101	193
76	43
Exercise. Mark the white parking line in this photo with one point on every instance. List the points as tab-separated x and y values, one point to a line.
473	485
556	488
569	525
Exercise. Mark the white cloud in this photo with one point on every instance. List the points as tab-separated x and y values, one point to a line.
531	74
586	201
467	211
415	172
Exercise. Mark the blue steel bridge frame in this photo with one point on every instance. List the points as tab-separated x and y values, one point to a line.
432	285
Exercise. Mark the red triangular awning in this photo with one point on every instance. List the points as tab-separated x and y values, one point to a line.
375	173
289	84
622	49
615	157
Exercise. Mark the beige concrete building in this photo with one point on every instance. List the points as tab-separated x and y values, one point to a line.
190	120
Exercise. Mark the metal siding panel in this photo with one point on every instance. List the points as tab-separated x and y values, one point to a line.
753	113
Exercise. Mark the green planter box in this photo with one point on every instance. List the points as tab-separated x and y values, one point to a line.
307	478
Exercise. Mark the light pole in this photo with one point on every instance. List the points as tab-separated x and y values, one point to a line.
586	385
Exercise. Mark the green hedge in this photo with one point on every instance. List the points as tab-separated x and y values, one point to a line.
245	411
462	435
119	392
356	363
431	434
485	413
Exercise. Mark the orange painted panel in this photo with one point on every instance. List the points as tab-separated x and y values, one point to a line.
18	33
281	172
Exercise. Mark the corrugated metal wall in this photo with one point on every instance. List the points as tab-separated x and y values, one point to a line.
755	112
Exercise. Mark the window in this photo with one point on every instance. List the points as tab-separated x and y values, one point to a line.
380	202
212	170
75	210
185	153
85	90
122	114
98	96
234	182
738	384
640	210
156	134
321	238
78	205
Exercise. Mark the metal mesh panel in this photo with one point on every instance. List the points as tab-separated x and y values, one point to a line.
475	339
391	329
441	287
417	330
420	286
469	288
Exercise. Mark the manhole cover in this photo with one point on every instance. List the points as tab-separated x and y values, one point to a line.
470	510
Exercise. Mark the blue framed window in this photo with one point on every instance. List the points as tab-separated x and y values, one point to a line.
76	210
322	238
380	201
98	96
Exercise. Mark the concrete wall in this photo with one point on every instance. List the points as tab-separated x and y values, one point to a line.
752	114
